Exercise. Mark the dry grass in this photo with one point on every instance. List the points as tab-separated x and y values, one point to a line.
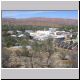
14	58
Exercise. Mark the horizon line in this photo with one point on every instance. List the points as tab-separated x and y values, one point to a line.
38	17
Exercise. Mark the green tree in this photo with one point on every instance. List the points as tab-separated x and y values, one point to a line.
9	41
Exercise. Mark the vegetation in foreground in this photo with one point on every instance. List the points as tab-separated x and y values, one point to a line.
42	55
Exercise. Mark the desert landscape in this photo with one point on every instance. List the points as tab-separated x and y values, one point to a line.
39	42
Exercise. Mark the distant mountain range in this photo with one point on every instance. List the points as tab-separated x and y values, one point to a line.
54	22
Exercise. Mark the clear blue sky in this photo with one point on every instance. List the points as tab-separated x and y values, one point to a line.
72	14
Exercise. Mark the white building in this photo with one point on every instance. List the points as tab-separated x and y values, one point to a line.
21	35
61	34
10	32
13	36
18	31
40	35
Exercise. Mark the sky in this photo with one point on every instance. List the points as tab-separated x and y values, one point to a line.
71	14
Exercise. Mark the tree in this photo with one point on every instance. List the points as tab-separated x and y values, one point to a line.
9	41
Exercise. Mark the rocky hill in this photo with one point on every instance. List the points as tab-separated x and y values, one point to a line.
53	22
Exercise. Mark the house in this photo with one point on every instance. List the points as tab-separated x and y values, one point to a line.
10	32
67	35
13	36
21	35
19	32
58	36
62	34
